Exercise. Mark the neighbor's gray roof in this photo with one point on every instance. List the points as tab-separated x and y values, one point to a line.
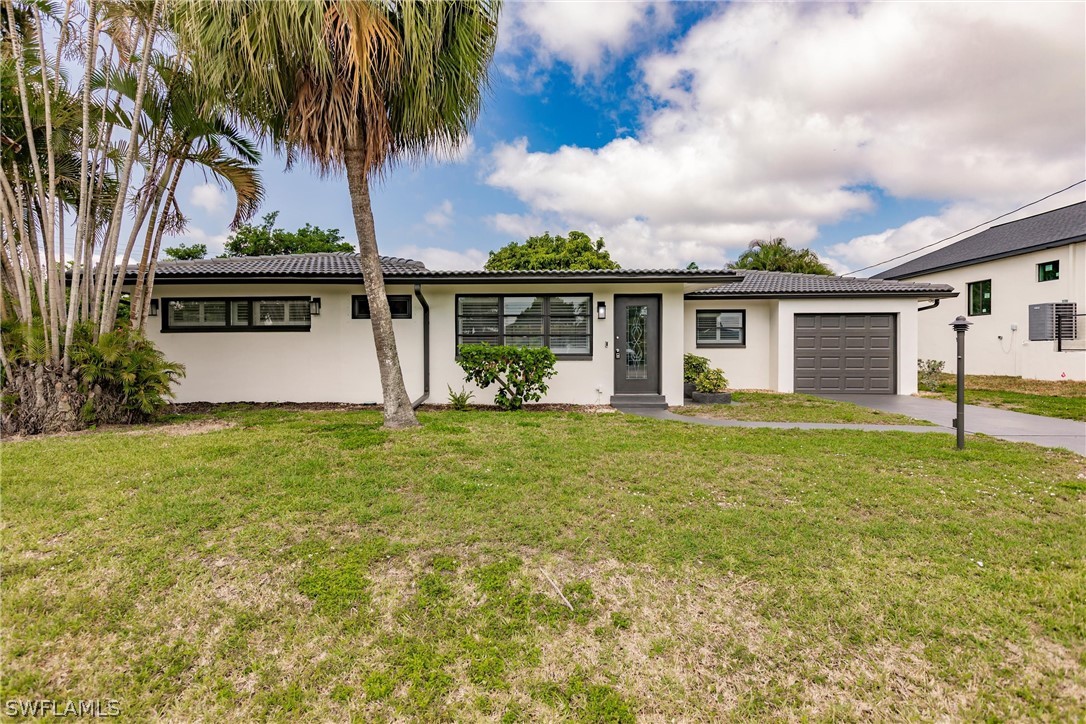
1058	227
767	284
326	265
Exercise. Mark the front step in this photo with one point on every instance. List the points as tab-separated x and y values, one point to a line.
652	401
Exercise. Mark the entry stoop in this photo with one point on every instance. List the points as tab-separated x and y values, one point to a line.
658	402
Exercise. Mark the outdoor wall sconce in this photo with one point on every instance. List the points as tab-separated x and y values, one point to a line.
315	307
153	309
601	310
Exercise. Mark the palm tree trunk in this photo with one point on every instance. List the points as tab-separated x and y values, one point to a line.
398	411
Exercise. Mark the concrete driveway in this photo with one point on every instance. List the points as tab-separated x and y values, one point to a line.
1004	424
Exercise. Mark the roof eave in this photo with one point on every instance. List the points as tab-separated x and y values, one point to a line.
911	294
981	260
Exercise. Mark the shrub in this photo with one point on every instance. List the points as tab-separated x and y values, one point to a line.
520	372
711	380
460	400
928	372
693	366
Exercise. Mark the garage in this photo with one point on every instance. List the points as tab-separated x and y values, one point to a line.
846	353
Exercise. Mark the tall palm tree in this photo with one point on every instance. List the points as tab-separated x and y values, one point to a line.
356	86
776	255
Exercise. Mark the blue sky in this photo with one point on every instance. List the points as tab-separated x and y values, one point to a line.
680	132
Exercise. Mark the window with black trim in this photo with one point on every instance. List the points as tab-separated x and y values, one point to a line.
1048	271
236	314
399	304
980	298
721	327
562	322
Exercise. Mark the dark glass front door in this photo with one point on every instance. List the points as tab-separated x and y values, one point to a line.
637	345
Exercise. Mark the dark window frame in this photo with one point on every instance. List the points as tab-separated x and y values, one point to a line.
969	298
546	320
164	307
722	345
357	314
1055	267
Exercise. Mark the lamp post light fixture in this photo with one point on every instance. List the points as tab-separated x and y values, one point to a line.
961	325
315	307
601	310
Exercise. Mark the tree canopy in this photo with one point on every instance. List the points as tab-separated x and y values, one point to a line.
186	252
776	255
267	240
576	251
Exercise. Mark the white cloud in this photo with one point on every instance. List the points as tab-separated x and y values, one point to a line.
441	216
772	119
518	226
583	34
208	197
437	258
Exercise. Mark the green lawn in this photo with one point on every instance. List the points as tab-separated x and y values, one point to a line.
1066	399
309	565
775	407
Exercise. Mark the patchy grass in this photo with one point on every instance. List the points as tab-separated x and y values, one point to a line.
776	407
310	565
1052	398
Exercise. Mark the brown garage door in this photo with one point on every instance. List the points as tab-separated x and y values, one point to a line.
846	353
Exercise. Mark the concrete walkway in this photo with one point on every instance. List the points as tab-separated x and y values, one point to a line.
658	414
1004	424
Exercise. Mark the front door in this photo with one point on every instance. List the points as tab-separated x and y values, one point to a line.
637	345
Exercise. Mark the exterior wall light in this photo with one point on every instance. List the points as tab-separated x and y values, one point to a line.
315	307
152	311
601	310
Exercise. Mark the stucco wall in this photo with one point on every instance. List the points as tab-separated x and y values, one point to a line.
752	367
335	360
1014	288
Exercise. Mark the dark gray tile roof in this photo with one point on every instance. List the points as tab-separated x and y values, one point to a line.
331	264
783	284
1053	228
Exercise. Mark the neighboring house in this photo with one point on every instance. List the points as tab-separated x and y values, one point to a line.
295	328
1020	283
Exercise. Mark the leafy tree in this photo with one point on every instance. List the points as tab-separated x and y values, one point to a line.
577	251
186	252
776	255
520	372
266	240
354	86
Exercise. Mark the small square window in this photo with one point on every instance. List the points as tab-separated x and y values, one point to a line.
721	327
1048	271
398	304
980	298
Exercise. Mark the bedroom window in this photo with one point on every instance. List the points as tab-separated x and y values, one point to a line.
1048	271
980	298
561	322
399	304
284	314
721	327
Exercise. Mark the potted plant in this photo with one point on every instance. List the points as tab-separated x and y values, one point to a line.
709	388
693	366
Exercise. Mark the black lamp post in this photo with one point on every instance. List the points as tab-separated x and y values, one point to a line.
961	326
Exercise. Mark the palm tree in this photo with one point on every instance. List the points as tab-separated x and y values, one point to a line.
356	86
776	255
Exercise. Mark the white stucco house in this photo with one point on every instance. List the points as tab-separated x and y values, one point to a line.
1023	287
296	329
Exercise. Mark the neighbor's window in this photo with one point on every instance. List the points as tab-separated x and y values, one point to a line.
561	322
1048	271
721	327
980	298
400	304
290	314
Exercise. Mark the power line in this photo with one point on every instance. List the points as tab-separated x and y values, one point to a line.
983	223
